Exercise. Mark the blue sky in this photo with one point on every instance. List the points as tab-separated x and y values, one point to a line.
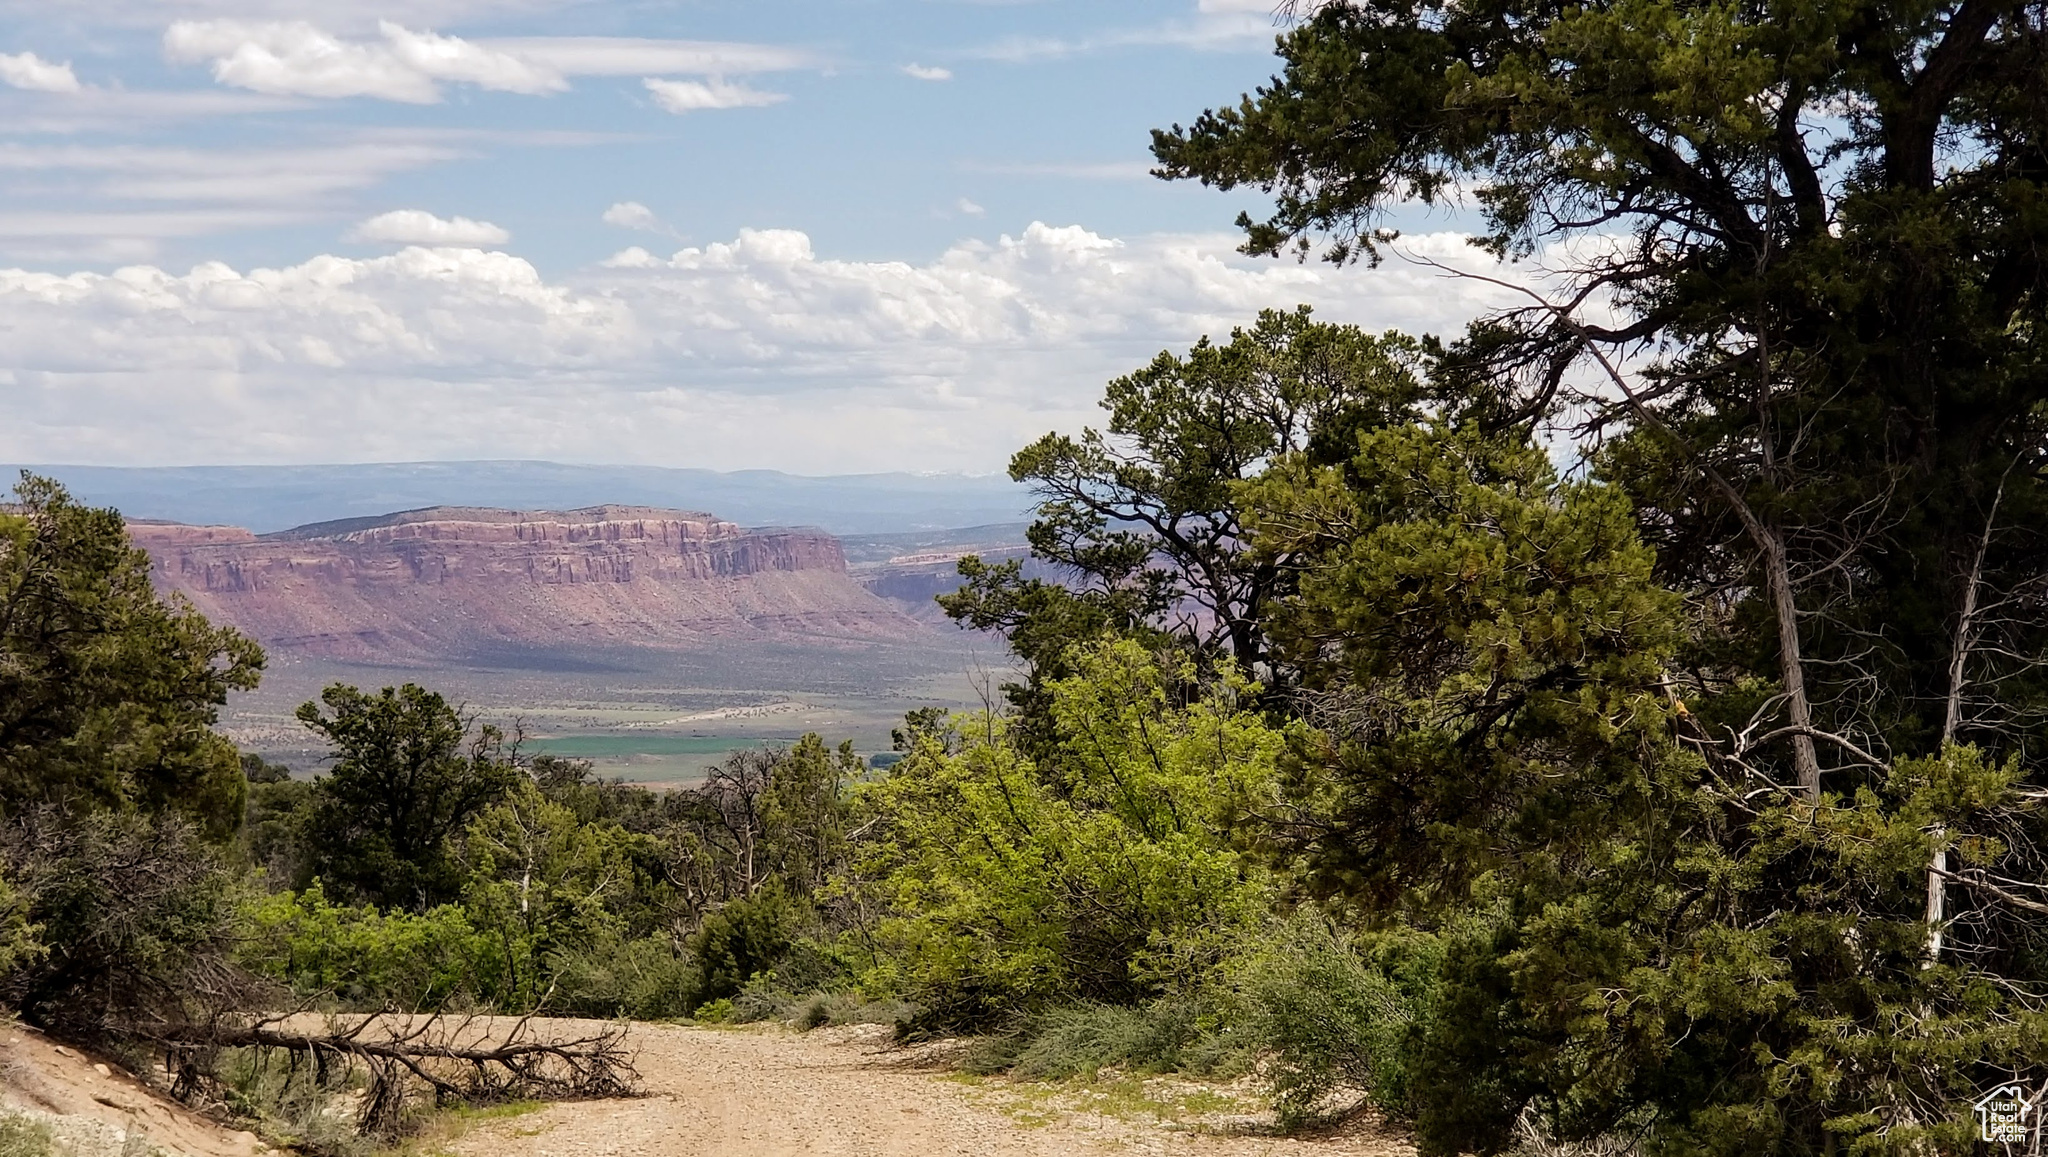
815	236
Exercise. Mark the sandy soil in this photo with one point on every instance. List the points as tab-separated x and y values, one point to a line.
94	1107
753	1092
770	1092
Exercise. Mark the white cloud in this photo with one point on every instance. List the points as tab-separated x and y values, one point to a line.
633	56
968	207
1216	26
309	173
29	71
299	59
923	72
106	202
95	109
87	198
349	15
419	227
631	215
681	96
752	352
121	235
634	215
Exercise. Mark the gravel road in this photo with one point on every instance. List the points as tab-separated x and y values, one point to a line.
770	1092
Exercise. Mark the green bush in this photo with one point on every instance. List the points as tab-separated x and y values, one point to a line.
740	941
132	908
1106	869
1328	1020
766	997
368	957
645	979
1081	1039
718	1011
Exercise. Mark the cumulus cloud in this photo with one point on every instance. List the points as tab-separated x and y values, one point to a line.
419	227
924	72
757	351
28	71
634	215
299	59
681	96
968	207
631	215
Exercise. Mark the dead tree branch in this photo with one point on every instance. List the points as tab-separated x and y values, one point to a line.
466	1060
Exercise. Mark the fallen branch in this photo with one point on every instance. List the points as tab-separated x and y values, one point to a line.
472	1060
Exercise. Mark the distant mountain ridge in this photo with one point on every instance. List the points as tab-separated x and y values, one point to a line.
273	498
453	583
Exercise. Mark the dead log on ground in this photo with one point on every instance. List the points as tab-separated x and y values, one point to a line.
458	1060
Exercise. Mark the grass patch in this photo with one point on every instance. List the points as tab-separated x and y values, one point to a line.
22	1137
445	1126
1123	1096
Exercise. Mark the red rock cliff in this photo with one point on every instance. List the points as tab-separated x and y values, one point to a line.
450	582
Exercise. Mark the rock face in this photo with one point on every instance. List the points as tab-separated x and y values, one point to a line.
460	582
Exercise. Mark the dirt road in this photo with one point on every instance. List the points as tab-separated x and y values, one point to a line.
841	1092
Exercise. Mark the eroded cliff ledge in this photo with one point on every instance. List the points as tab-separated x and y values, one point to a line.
457	582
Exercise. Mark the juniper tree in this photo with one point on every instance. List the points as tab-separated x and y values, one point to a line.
1797	324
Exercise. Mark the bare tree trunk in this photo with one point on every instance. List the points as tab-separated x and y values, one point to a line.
1791	665
1951	725
1937	895
1785	609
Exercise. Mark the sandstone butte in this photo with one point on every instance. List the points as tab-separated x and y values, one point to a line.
454	582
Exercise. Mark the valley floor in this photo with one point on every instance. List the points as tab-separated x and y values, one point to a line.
770	1092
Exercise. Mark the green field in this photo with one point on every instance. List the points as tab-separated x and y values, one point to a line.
616	746
661	723
654	759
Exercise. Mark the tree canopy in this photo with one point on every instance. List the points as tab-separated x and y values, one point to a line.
1813	231
1773	893
409	774
1141	523
108	693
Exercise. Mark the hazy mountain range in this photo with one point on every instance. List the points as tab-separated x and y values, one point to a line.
268	498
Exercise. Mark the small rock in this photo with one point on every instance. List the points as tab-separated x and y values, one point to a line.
102	1070
64	1052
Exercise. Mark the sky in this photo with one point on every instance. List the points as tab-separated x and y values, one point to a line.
819	236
